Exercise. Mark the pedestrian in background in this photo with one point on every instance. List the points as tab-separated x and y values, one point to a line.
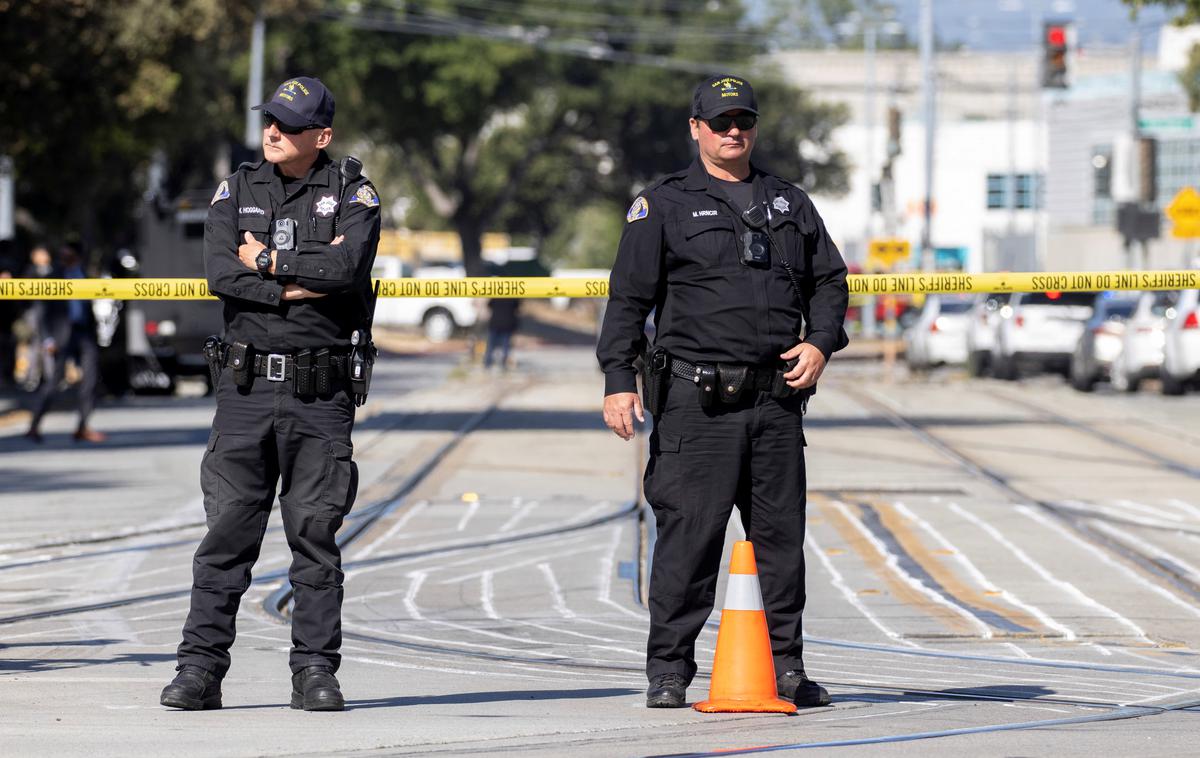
749	296
68	332
502	324
288	248
39	363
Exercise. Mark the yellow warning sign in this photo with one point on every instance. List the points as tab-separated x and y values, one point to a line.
886	253
1184	212
542	287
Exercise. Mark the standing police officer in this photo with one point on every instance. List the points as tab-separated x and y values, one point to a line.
749	296
288	248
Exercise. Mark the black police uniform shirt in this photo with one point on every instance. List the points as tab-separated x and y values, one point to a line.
680	255
250	201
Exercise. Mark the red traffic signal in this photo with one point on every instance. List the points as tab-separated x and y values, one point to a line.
1055	41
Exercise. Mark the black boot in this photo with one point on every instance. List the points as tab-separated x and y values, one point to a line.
316	689
804	692
193	689
666	691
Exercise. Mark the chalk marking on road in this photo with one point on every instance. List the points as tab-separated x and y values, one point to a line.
1138	578
608	564
1017	649
1045	574
1090	685
529	561
893	562
1186	506
1149	509
369	548
912	709
1099	510
1158	662
852	597
980	579
521	513
472	509
485	595
1148	548
556	595
1027	707
416	579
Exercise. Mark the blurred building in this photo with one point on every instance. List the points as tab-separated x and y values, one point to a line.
1019	172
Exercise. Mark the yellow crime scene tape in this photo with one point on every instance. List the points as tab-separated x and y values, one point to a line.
916	283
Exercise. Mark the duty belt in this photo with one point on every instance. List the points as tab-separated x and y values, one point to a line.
758	378
281	367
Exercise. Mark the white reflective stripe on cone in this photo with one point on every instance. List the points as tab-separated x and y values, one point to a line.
742	593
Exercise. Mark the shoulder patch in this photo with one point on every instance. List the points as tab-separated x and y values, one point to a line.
366	196
638	211
222	193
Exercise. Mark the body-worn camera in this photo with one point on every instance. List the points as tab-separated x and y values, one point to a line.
756	250
284	235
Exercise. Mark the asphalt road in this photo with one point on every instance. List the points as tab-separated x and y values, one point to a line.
994	568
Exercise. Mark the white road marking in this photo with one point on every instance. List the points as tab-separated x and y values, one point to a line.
472	509
556	595
485	595
521	513
369	548
1046	576
981	580
851	596
893	562
1135	576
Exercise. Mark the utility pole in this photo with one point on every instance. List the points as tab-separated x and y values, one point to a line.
254	86
8	228
928	85
1136	249
1011	182
869	30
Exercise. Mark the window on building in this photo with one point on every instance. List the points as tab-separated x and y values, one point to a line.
997	191
1103	208
1026	189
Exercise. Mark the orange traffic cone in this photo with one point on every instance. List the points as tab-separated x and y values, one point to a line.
743	674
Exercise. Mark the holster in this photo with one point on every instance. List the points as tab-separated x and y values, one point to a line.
212	356
656	372
780	388
241	360
360	364
323	373
707	384
302	373
732	380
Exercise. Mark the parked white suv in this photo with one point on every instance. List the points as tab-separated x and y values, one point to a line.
1042	332
439	318
1141	354
1181	345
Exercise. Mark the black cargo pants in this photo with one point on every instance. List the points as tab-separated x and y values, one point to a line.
264	437
702	463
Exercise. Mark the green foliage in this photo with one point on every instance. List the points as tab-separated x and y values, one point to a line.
1189	10
1189	77
537	135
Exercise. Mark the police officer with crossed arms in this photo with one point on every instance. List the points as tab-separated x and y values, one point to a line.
749	296
288	248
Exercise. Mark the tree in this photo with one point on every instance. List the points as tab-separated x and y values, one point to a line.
1189	10
518	113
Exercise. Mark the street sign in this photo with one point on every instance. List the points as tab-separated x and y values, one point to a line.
1184	212
1184	123
888	252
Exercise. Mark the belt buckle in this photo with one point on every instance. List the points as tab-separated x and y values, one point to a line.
276	367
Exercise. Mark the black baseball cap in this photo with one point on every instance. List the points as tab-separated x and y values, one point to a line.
301	103
723	93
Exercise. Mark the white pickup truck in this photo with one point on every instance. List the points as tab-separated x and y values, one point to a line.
439	318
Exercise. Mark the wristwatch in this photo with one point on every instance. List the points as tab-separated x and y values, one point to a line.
263	261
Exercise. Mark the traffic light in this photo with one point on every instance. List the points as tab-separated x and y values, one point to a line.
1055	37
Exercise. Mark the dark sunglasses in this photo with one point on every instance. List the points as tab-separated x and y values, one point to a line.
744	121
268	119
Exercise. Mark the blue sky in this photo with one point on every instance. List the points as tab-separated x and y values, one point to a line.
1008	24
